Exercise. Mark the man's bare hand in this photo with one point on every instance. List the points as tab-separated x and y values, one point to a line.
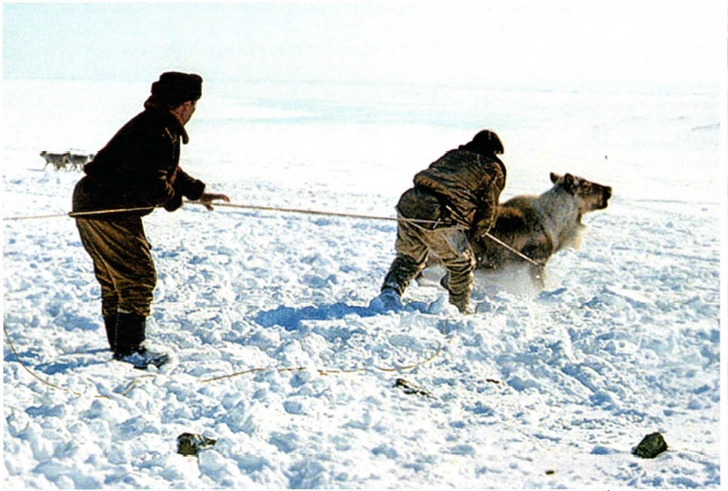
207	198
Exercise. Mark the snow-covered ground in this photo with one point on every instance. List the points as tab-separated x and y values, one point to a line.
279	355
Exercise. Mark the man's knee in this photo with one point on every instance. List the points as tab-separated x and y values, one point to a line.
463	264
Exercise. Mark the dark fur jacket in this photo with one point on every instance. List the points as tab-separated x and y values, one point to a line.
461	186
138	167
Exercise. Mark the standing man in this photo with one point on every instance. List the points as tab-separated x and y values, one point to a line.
136	171
456	192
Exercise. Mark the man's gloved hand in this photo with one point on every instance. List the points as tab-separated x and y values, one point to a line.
207	198
173	203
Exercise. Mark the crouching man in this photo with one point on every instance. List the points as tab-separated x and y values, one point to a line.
136	171
436	216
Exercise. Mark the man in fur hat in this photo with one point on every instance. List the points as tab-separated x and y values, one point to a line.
137	171
436	216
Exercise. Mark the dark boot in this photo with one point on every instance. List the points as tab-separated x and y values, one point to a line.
461	301
403	270
110	325
129	333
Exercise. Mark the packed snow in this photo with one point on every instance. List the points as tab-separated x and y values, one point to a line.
278	352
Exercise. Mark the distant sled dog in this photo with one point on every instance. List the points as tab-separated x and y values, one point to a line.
76	161
539	226
68	160
57	160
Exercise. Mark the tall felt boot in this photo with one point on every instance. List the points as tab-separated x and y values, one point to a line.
129	333
110	325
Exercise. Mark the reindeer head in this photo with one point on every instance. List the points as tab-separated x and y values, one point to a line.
592	196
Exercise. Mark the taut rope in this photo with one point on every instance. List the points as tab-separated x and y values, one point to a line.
80	214
372	217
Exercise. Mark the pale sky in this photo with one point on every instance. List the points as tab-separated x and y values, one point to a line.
464	42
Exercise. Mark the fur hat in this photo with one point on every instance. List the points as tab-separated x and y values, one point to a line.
486	142
175	88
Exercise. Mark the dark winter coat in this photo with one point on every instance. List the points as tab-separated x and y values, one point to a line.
461	187
138	167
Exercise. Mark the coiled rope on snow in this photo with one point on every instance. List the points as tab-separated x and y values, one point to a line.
321	371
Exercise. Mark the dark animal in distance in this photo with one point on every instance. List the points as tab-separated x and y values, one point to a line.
539	226
77	161
67	160
57	160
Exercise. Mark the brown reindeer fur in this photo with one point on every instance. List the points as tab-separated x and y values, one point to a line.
540	226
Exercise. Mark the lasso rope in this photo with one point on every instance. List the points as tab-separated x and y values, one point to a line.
373	217
321	371
329	371
81	214
12	348
54	386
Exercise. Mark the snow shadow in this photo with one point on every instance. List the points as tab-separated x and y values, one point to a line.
290	318
73	362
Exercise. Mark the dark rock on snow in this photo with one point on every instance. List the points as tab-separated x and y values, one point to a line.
650	447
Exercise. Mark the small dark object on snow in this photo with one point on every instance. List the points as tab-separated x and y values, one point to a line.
650	447
410	388
190	444
550	472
